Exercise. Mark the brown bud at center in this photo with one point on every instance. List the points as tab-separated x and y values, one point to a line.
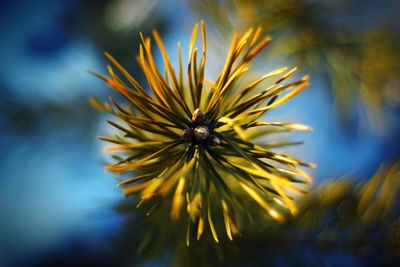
213	140
187	133
198	116
201	133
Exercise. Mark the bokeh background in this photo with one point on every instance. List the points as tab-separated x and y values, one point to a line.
58	205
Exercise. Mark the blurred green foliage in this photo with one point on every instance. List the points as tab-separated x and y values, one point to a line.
362	65
358	218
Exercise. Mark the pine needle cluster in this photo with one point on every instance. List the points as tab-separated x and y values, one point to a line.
194	146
